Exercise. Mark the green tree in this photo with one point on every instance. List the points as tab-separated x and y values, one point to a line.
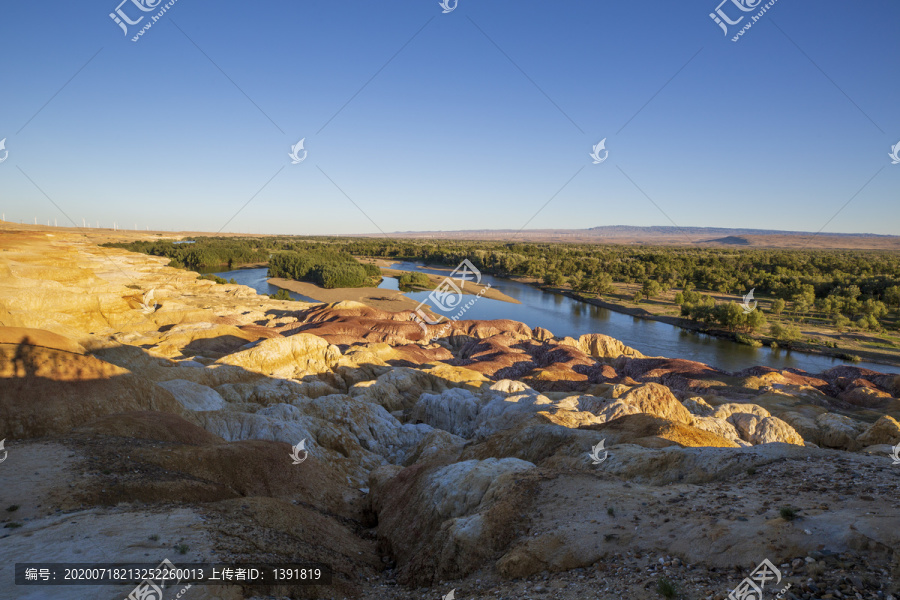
892	297
731	315
554	278
756	320
841	322
873	322
651	288
603	284
778	306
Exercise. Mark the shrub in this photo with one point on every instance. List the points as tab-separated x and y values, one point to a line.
211	277
786	332
281	295
747	340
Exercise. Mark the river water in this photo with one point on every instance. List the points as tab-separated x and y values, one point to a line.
565	316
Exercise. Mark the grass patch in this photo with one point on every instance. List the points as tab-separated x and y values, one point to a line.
12	508
788	513
666	588
611	511
181	548
12	525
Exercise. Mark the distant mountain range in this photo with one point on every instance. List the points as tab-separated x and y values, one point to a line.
702	231
675	236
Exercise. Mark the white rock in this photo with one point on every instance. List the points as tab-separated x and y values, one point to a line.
454	410
194	396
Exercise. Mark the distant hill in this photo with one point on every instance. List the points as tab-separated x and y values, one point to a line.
731	240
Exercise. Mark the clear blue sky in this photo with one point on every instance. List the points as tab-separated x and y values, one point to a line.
450	134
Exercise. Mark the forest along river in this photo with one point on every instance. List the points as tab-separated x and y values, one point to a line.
565	316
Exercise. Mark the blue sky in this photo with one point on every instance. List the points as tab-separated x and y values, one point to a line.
473	119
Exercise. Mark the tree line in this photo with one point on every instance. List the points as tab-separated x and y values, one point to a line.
325	267
850	287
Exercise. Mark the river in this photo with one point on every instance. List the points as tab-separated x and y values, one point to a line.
565	316
258	279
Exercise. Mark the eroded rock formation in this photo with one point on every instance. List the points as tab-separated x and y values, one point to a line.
428	459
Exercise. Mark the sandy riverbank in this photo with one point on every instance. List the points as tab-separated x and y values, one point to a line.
380	298
392	300
471	287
